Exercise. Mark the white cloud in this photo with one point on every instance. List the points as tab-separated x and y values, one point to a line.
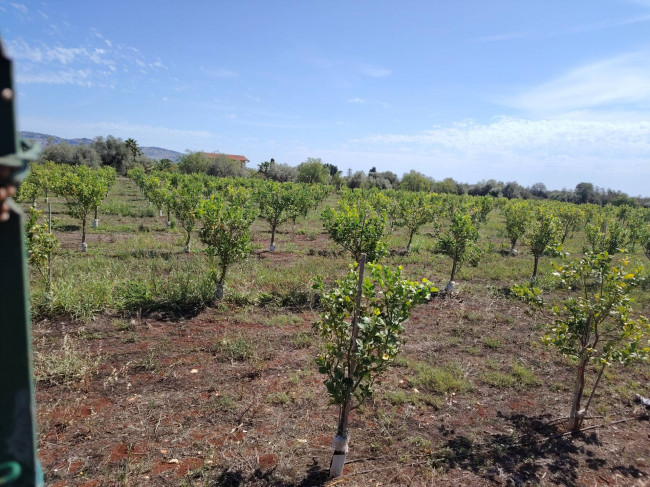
356	100
57	64
20	7
544	137
560	152
78	77
373	71
619	81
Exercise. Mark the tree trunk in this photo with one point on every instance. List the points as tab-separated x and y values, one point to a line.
575	417
272	246
340	443
453	270
219	293
408	245
535	266
187	242
84	245
169	220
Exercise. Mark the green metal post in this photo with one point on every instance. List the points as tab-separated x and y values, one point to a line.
18	462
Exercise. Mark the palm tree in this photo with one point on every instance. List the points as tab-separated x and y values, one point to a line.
133	148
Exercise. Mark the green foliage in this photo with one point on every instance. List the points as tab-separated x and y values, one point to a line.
415	181
594	325
276	202
570	218
28	190
413	210
226	232
40	244
83	188
542	234
606	234
184	202
644	240
386	303
459	240
193	162
313	171
517	215
357	227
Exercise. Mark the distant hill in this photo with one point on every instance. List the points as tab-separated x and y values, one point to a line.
156	153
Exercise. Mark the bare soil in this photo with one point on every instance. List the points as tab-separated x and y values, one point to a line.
169	407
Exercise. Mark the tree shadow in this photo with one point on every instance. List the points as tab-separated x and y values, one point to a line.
316	476
522	457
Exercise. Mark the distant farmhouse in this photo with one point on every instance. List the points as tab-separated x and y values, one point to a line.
241	159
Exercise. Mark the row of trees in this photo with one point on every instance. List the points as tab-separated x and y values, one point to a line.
119	154
83	188
362	315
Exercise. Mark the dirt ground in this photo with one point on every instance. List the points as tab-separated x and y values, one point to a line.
171	405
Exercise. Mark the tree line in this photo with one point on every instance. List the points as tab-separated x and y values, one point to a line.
123	155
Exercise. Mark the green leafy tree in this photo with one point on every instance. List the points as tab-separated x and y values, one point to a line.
194	162
570	218
184	202
40	246
606	234
595	325
415	181
164	165
227	233
361	324
83	188
133	149
112	152
542	234
28	190
313	171
644	240
459	242
275	202
517	215
357	227
413	210
222	166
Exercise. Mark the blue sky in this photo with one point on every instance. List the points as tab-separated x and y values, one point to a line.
550	91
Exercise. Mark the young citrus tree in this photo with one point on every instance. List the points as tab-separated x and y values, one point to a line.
227	233
83	188
413	210
542	234
361	323
40	246
275	202
644	240
517	215
459	242
606	234
570	217
595	324
357	227
184	201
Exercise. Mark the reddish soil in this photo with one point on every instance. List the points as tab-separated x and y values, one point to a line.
169	407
